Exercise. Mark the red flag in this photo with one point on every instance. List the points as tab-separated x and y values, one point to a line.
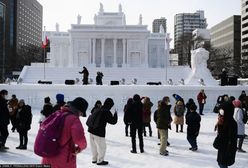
45	42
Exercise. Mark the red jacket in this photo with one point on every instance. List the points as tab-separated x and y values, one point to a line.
72	134
200	97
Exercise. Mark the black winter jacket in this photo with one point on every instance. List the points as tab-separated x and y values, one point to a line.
24	118
4	112
193	120
134	115
100	118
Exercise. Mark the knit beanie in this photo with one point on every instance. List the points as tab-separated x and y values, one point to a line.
60	98
236	103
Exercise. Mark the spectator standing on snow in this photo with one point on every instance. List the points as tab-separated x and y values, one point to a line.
97	106
24	120
163	123
97	123
188	104
239	118
127	112
72	140
179	110
4	119
12	106
47	107
147	105
136	123
193	120
201	98
60	102
227	132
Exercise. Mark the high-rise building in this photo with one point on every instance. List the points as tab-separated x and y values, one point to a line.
226	46
244	38
157	23
184	24
21	32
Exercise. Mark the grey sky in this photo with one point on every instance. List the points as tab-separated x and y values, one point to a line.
65	12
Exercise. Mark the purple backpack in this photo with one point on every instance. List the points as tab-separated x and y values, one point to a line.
47	140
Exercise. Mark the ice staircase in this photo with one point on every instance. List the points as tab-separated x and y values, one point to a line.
58	75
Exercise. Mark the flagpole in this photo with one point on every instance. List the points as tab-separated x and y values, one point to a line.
44	60
44	55
166	58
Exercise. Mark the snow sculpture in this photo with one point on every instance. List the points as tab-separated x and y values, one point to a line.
140	19
101	10
120	8
57	27
199	59
79	19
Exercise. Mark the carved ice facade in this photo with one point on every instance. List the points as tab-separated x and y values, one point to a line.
109	42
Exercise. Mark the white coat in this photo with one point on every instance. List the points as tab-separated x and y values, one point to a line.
238	117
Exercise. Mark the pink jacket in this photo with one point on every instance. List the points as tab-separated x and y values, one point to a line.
72	134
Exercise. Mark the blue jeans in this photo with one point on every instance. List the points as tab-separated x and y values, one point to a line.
222	166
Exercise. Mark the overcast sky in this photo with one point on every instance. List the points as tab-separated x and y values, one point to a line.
65	11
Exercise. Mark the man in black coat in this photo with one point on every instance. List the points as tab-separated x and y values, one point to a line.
135	117
97	123
193	120
4	119
85	73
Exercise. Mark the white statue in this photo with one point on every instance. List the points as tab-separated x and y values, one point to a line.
199	68
57	27
140	19
79	19
161	29
120	8
101	10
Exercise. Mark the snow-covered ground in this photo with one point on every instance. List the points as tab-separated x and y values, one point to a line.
118	148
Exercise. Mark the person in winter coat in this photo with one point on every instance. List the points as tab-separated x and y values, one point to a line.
126	110
147	105
163	122
47	108
227	132
242	97
179	110
238	117
60	102
193	120
24	120
4	119
97	106
72	140
85	73
97	123
12	105
188	104
135	118
201	98
99	76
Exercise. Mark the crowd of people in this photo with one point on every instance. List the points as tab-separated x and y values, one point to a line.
232	116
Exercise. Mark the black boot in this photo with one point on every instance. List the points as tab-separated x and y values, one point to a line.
241	140
176	127
181	128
